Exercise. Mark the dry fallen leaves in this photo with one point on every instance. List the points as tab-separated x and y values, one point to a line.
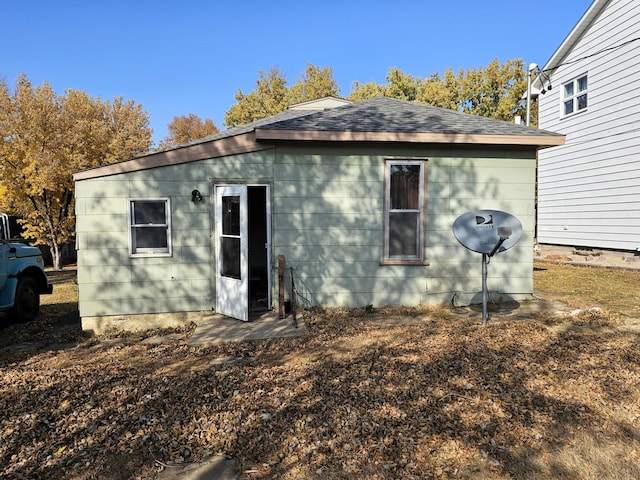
440	398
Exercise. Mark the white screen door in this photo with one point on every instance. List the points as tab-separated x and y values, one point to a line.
232	286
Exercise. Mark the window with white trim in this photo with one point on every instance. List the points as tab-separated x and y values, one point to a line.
404	211
150	227
574	95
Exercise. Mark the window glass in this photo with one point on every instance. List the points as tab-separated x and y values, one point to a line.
147	212
4	227
230	257
149	224
582	84
575	96
231	215
404	215
568	90
568	107
405	186
151	237
582	102
404	230
231	243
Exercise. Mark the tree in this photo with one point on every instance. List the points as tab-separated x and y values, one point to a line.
186	128
402	86
440	92
268	98
315	83
44	138
495	91
272	95
364	91
3	198
399	85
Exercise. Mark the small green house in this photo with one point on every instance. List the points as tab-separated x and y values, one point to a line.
359	199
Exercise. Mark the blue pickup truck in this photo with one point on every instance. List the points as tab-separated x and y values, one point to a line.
22	276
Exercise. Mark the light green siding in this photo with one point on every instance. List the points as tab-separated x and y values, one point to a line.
478	182
334	239
113	283
326	218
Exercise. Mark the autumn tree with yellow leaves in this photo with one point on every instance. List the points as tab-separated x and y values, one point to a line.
186	128
272	95
494	91
45	138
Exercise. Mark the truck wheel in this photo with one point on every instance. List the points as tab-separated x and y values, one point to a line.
27	301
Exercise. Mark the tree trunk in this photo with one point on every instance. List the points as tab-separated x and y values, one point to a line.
55	255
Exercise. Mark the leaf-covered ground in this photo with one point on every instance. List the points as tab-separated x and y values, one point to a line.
441	397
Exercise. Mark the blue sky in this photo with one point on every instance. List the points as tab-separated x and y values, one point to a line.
180	57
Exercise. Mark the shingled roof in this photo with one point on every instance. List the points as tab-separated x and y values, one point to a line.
384	114
380	119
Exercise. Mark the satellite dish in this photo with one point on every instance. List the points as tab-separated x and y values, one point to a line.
487	232
482	230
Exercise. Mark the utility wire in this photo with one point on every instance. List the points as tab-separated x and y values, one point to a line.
599	52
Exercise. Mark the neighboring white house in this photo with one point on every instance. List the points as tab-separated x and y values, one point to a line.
589	188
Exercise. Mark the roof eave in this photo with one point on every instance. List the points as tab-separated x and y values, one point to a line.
215	148
574	35
414	137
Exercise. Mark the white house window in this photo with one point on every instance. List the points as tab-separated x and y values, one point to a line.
404	211
574	95
150	227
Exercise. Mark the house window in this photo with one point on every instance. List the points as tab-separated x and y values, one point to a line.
150	227
574	97
404	211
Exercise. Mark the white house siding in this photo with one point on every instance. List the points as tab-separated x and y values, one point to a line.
589	189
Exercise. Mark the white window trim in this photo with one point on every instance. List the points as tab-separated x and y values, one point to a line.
574	97
149	252
404	260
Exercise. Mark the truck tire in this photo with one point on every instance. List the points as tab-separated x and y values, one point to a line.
27	302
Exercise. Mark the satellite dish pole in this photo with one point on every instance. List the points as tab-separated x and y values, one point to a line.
504	233
485	291
487	232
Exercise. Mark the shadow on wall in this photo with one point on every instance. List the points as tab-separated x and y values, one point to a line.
332	234
111	282
327	220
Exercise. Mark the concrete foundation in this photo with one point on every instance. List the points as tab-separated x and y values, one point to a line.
145	321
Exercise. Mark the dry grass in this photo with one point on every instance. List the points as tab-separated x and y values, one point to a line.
443	397
58	321
615	290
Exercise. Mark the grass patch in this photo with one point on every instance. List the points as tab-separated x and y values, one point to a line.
615	290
